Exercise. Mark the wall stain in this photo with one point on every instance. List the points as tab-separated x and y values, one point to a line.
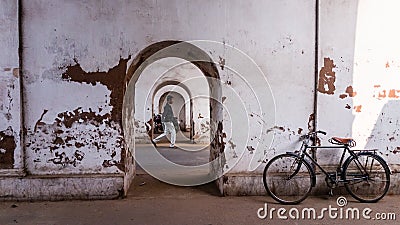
221	62
327	77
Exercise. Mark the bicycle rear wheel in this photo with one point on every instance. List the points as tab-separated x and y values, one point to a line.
288	179
368	178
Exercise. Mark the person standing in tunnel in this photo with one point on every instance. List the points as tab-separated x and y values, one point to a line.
168	121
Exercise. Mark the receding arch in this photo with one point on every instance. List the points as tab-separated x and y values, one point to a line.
201	60
186	93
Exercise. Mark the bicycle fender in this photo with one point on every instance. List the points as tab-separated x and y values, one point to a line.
368	153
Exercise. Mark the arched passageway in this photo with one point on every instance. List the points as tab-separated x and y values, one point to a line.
198	58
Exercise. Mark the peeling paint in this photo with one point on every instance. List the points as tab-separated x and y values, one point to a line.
310	123
63	159
358	108
396	150
299	130
250	149
350	91
221	62
113	79
89	131
276	128
218	140
380	93
223	99
231	144
393	93
327	77
7	147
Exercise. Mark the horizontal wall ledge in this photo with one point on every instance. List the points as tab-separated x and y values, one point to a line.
55	188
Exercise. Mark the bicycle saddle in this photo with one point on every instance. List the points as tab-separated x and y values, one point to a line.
345	141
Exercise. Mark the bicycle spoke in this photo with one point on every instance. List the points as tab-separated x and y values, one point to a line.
287	179
367	177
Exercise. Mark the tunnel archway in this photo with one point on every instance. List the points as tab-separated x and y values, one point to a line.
202	61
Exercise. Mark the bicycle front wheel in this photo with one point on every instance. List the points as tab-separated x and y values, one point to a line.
367	177
288	179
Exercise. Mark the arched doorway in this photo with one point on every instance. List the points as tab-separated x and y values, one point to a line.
202	61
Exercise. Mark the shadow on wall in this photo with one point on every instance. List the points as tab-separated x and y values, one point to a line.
385	135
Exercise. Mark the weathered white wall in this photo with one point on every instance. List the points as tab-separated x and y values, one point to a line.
76	54
73	67
358	38
337	29
70	126
11	155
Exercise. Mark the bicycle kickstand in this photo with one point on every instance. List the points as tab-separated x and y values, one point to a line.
330	192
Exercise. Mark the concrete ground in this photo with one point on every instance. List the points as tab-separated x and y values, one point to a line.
153	202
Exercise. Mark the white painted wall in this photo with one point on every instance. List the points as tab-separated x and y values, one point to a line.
10	100
97	35
355	35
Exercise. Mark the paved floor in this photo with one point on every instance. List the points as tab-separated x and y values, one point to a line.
153	202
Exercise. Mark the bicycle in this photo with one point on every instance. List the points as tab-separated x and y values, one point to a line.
289	177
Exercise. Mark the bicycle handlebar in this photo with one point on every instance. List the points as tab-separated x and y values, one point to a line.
313	133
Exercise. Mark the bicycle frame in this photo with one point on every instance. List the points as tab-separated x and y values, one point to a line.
364	174
303	153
